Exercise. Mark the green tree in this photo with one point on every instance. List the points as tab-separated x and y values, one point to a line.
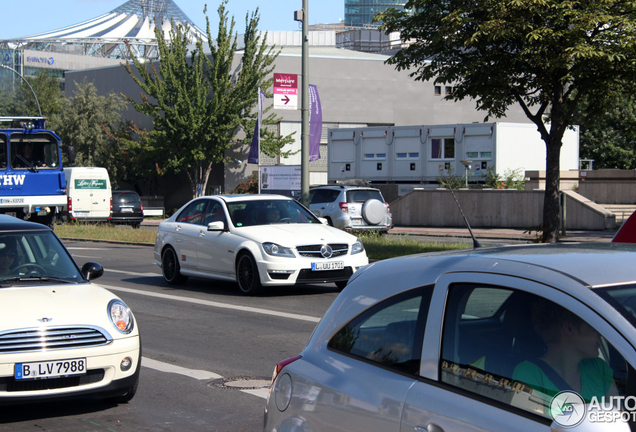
21	101
544	55
137	163
83	124
609	137
199	103
48	92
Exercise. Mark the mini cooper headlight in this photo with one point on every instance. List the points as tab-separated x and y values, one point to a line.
278	250
121	316
357	247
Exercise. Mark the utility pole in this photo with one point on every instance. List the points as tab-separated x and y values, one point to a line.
304	149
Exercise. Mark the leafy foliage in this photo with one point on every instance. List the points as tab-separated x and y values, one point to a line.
544	55
450	180
609	137
511	179
21	102
250	186
82	125
199	103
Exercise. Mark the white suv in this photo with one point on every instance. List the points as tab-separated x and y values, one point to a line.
356	208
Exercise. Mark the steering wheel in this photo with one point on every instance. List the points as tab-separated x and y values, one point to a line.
37	269
285	219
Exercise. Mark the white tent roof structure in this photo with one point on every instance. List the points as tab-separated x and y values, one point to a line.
104	36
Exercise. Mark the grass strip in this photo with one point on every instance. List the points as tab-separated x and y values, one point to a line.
378	247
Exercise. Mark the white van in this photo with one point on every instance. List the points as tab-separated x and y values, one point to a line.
89	194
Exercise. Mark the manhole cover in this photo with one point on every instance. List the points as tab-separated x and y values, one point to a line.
241	383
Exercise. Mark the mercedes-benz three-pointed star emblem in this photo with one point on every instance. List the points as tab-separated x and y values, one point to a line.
326	251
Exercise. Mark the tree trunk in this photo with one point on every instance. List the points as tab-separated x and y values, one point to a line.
551	204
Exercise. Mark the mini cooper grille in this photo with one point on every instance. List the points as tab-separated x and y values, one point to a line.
314	251
54	338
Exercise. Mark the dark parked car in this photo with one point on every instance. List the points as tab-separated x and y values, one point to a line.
127	208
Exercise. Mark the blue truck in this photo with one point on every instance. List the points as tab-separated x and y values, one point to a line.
32	182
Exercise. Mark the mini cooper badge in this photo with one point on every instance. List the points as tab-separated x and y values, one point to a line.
45	320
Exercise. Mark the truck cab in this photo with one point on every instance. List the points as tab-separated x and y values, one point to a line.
32	182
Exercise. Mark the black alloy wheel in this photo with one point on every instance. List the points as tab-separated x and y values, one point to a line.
171	268
247	276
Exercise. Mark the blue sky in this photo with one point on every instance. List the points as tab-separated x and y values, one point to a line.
27	17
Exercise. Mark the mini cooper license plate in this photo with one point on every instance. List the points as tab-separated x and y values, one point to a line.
50	369
327	265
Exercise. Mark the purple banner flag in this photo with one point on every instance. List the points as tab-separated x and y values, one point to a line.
255	147
315	123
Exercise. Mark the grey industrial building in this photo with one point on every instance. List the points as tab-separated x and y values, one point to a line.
356	88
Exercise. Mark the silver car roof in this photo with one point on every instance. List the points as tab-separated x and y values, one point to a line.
573	268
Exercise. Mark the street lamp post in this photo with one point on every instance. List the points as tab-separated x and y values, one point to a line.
466	164
304	168
302	15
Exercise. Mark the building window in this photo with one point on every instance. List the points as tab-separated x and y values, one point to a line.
407	155
442	148
448	90
438	90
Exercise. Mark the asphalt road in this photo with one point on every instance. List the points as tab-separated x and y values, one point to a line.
208	353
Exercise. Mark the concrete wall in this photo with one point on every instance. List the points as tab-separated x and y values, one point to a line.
485	208
609	186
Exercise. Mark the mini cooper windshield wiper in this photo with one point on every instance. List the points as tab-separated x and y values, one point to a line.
36	279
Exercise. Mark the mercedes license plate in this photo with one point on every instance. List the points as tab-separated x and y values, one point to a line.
327	265
50	369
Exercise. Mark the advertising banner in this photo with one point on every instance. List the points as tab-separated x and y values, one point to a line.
285	91
315	123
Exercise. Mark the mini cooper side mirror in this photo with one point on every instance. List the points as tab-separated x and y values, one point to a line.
92	270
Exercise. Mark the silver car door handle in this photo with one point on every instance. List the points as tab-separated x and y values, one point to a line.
432	427
178	228
202	233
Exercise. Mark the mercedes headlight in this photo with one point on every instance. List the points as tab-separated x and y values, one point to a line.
278	250
357	247
120	316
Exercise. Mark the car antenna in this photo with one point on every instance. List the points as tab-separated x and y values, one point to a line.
476	243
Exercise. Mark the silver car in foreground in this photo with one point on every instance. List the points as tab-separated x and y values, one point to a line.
525	338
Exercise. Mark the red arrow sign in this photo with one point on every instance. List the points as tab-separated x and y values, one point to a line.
286	99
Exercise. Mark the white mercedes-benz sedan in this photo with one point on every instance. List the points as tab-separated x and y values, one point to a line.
61	336
257	241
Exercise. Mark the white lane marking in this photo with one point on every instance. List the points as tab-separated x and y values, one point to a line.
170	368
194	373
215	304
83	248
131	273
261	393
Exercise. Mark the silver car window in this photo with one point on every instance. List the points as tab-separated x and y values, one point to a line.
389	334
363	195
501	344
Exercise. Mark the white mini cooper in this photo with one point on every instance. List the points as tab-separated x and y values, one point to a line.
61	336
